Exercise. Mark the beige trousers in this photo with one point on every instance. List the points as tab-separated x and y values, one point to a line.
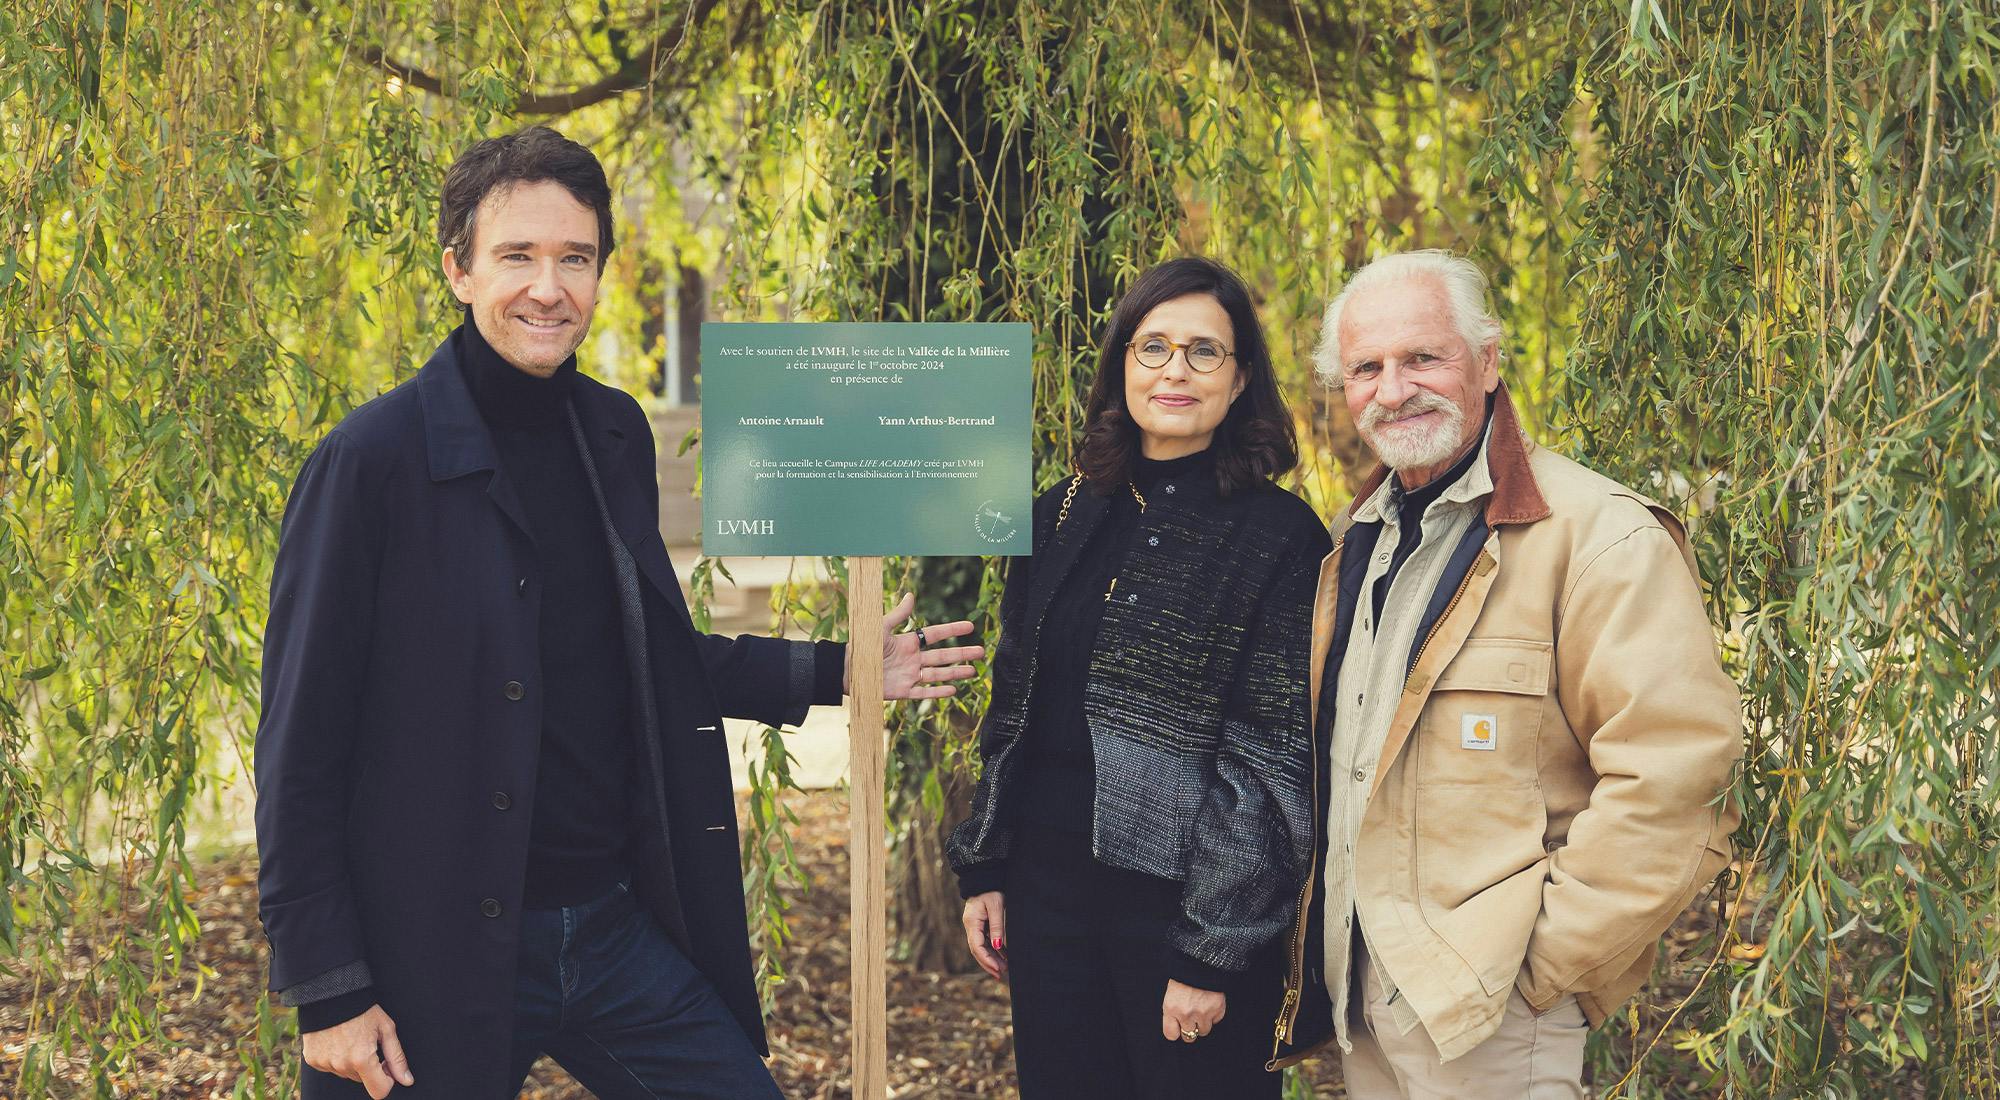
1530	1058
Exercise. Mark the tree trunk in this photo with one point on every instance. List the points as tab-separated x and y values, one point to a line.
956	212
924	903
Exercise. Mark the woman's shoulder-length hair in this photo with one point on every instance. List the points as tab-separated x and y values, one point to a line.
1254	442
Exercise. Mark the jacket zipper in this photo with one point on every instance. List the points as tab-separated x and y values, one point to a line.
1295	981
1479	569
1296	978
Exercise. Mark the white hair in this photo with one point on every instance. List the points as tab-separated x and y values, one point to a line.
1464	288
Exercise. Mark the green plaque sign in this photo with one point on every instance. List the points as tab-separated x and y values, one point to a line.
871	438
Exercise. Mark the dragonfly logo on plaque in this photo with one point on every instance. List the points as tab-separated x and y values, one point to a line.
993	524
866	438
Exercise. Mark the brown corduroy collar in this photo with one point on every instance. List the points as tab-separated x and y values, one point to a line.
1516	498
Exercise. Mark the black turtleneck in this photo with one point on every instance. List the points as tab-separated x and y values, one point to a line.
577	835
1058	790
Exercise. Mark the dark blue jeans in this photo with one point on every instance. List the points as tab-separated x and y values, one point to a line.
604	992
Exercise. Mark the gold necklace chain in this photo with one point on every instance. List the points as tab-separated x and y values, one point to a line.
1071	496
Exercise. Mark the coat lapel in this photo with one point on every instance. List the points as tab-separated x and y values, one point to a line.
1516	498
607	452
1087	509
456	439
627	496
1444	645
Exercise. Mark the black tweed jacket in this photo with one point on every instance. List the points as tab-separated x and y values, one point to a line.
1196	701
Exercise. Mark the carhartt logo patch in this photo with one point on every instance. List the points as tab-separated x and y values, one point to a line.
1479	731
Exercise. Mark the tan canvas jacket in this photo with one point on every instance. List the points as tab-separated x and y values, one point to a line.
1554	860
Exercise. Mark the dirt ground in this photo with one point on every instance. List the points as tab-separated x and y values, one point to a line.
948	1034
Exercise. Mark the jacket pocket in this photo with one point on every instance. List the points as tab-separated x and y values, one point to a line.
1481	815
1482	723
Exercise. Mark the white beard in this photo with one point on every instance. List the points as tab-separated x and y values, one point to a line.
1413	447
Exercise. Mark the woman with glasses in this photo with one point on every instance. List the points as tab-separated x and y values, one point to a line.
1142	824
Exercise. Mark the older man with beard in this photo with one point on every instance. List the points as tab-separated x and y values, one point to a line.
1524	734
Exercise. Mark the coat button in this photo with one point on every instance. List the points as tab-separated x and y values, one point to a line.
1361	775
501	801
521	587
490	907
1170	490
514	690
1153	540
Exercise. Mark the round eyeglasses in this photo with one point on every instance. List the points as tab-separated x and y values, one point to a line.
1203	355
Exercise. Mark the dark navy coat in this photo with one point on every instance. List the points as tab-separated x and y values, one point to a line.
397	748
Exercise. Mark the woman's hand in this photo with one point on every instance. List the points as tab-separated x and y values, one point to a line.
1187	1009
986	931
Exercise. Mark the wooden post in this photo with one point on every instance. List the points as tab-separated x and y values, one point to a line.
868	897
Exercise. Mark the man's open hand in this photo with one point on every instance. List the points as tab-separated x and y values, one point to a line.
363	1049
913	665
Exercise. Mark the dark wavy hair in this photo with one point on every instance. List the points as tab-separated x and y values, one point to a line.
528	155
1255	440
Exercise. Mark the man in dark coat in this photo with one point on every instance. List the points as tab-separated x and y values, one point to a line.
494	810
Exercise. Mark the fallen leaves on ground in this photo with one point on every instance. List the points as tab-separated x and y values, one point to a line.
949	1036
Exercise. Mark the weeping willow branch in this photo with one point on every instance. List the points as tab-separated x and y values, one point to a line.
1710	260
645	69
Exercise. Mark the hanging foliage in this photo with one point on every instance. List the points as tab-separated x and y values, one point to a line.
217	234
1744	253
